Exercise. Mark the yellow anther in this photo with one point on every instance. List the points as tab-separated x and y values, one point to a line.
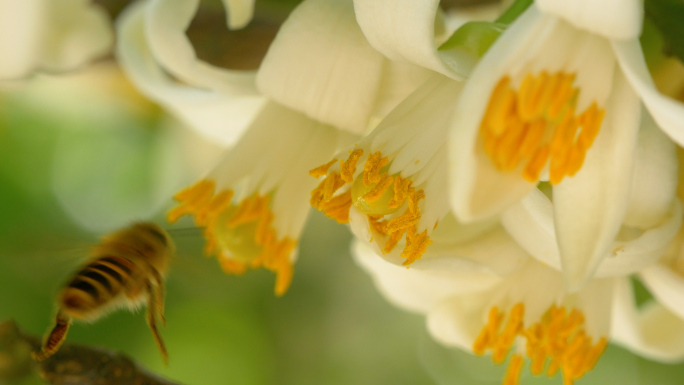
392	241
283	279
210	243
512	376
378	224
332	183
508	145
214	208
559	338
249	210
402	188
416	245
231	266
532	138
321	170
379	189
501	105
338	207
192	200
199	189
414	198
348	167
374	164
402	222
538	125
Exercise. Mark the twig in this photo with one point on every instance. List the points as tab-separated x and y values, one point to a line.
71	365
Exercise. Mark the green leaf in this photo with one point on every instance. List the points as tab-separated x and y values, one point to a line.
515	10
473	39
668	17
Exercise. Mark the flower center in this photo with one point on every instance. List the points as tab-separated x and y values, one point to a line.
378	195
559	338
241	235
539	125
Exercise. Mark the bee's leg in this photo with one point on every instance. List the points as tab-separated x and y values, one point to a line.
159	295
152	308
56	337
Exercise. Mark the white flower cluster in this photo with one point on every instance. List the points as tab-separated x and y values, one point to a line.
511	194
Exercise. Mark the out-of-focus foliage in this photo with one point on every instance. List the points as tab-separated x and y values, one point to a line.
667	15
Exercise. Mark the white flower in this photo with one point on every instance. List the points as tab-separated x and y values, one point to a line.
153	49
392	187
319	86
525	312
50	35
552	100
525	315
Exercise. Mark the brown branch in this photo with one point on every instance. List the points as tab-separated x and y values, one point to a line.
71	365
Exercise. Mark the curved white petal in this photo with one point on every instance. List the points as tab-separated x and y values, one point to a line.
654	183
22	26
320	64
652	331
458	320
493	251
398	81
417	290
54	36
165	25
589	207
667	286
240	12
219	116
405	30
479	190
667	112
531	224
614	19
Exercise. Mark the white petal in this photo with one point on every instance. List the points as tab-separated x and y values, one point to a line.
489	247
667	112
614	19
219	116
240	12
479	190
417	290
635	254
78	32
398	81
22	26
654	183
50	35
165	25
590	206
652	332
530	223
457	322
405	31
667	286
321	64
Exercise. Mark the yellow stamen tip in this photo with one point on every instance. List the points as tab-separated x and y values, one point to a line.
321	170
537	124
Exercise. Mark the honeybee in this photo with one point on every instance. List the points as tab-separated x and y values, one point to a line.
127	269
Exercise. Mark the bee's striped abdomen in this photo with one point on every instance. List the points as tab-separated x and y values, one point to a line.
96	285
